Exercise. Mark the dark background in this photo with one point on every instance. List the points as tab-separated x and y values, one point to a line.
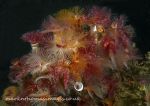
20	16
